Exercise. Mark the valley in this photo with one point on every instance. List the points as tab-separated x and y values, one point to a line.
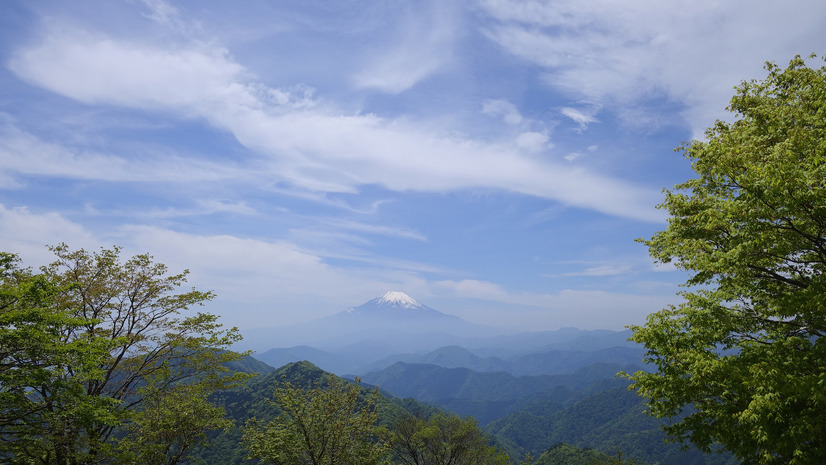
530	392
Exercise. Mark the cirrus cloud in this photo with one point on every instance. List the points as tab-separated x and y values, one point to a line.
622	54
317	148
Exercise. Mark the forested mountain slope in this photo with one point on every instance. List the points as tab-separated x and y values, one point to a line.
608	421
488	396
255	399
588	409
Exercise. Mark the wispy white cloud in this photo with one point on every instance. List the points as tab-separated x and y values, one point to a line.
424	44
335	231
582	116
315	148
203	207
164	13
533	141
530	136
22	153
508	111
584	309
380	230
27	234
623	53
96	69
597	271
571	156
474	289
221	206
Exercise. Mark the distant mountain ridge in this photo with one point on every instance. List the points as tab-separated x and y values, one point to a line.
365	357
544	362
486	396
395	327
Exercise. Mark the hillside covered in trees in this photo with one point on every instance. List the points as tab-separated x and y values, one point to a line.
598	418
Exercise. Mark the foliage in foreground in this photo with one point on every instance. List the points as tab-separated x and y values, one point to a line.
327	420
744	358
98	365
443	439
329	423
566	454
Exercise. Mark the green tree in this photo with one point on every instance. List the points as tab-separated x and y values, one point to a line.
742	361
443	439
329	423
90	343
566	454
169	424
36	369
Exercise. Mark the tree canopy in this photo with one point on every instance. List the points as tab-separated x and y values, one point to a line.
328	423
93	350
443	439
741	362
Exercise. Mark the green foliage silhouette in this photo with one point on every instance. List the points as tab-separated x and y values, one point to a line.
443	439
328	422
743	357
93	351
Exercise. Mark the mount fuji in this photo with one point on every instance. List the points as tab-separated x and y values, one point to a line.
393	321
397	307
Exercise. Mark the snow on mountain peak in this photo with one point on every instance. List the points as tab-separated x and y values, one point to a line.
401	307
397	298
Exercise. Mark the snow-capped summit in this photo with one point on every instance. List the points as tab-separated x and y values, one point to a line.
397	298
393	321
397	304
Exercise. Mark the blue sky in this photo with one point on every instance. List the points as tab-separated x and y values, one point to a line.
493	159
